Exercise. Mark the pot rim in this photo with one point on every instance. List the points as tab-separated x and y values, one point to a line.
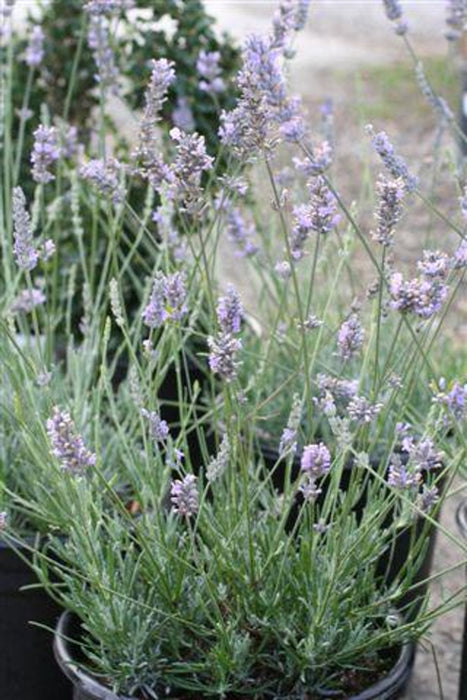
384	689
461	517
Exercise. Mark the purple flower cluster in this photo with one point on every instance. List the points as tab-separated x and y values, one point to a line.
167	301
67	445
390	194
104	57
27	300
190	162
240	232
395	164
45	153
322	206
315	463
35	50
428	498
105	176
24	249
401	476
424	455
230	312
224	347
158	427
425	295
209	69
184	496
455	400
350	337
394	13
460	256
318	162
147	154
362	411
182	116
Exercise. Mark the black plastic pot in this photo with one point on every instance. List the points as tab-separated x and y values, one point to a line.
87	688
27	668
462	522
393	558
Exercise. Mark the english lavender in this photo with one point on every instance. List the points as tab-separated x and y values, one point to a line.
230	312
210	71
401	476
362	411
423	297
301	14
106	177
454	400
150	162
322	206
424	455
184	496
459	261
67	445
240	232
45	153
390	193
218	465
223	351
283	24
427	498
190	162
434	264
395	164
24	249
158	427
27	300
302	225
104	57
35	50
283	269
182	116
288	442
394	13
167	301
318	162
350	337
106	7
315	463
438	104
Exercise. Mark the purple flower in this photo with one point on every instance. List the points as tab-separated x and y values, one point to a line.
428	498
105	7
323	206
190	162
67	445
424	297
301	14
311	323
310	489
240	232
69	141
151	164
35	50
318	162
434	264
456	19
316	460
209	69
350	337
44	153
401	477
27	300
390	193
105	175
393	9
182	116
460	256
362	411
425	456
394	163
340	389
223	356
184	495
159	428
439	105
283	269
104	57
25	252
455	400
230	312
303	223
167	301
289	437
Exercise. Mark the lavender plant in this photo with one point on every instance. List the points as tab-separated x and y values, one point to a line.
196	564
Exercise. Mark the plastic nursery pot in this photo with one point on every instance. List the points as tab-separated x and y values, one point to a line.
461	517
85	687
393	558
27	667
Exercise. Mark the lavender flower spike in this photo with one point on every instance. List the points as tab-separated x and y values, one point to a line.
159	428
27	300
395	164
25	252
350	337
316	460
390	193
230	311
35	50
184	496
167	300
44	153
105	175
222	356
209	69
66	443
104	58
